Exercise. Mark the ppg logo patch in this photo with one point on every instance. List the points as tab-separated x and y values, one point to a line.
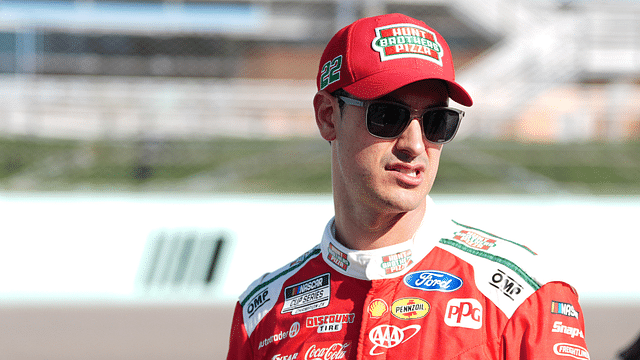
466	313
308	295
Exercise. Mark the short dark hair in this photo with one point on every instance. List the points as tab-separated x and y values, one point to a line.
337	94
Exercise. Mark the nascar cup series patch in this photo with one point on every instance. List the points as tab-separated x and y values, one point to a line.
407	41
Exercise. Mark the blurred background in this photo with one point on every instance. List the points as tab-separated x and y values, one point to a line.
151	152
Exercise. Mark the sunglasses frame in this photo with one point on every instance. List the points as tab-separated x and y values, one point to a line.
365	104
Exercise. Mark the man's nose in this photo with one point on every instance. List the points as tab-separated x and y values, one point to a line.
411	141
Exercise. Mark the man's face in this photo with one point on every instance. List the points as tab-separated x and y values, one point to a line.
389	175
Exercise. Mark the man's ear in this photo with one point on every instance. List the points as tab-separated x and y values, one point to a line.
327	112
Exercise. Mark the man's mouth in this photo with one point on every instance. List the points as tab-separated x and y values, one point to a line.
410	171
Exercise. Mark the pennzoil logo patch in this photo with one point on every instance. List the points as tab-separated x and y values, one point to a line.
410	308
399	41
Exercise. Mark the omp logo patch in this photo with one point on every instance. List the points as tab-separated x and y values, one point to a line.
309	295
407	41
256	302
506	284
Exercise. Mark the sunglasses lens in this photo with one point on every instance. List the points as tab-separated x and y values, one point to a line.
440	125
387	120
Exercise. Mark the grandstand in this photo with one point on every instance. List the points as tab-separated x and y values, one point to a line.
95	69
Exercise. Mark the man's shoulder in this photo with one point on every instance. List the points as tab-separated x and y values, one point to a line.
261	296
484	244
506	271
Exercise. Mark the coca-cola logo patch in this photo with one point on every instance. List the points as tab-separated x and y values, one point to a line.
328	350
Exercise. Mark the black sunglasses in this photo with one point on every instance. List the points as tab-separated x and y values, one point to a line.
387	119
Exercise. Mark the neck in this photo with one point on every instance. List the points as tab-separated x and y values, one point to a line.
367	229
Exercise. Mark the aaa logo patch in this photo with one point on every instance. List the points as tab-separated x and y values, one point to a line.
407	41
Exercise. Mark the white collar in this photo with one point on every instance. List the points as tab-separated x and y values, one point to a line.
387	262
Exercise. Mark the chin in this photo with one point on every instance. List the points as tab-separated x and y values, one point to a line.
405	200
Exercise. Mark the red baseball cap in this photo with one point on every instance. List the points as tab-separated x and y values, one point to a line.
377	55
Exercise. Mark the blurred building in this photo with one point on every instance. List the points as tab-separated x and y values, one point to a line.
538	70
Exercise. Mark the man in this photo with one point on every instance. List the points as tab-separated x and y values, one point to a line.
391	279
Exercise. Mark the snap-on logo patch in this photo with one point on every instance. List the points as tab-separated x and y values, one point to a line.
400	41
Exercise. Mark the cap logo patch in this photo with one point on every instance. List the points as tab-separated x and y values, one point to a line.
399	41
330	72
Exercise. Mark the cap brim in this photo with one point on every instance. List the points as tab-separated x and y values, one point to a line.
382	83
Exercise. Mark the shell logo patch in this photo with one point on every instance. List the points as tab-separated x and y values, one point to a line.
377	308
400	41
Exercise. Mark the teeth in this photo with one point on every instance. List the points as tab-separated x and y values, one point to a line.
410	173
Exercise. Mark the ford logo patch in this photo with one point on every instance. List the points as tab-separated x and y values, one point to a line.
432	280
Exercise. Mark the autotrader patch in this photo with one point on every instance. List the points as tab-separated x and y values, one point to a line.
306	296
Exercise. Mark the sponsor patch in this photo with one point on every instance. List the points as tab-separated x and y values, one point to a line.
293	331
474	240
328	351
410	308
506	284
285	357
301	258
256	302
433	280
338	257
330	323
560	328
330	72
396	262
574	351
377	308
388	336
308	295
565	309
466	313
400	41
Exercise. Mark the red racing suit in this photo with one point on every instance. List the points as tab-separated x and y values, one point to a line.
451	292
